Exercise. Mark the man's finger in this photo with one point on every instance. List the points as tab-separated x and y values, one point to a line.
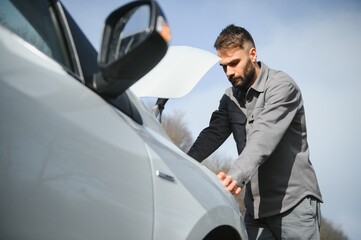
229	183
221	175
227	180
237	191
232	185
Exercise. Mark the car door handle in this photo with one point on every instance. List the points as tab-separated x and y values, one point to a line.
165	176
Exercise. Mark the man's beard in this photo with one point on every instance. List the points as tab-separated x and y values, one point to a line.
247	78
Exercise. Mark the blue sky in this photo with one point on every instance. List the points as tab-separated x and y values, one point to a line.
317	42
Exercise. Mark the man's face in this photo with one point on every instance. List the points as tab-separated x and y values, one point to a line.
238	66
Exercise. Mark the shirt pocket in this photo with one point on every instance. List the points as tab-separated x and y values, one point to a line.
254	115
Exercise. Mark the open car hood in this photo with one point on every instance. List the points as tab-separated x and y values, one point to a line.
176	74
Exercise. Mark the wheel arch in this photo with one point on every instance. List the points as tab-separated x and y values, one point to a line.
223	232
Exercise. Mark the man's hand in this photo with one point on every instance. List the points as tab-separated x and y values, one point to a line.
229	183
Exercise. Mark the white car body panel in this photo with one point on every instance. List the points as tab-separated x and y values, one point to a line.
75	167
77	164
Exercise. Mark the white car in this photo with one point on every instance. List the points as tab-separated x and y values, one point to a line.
81	157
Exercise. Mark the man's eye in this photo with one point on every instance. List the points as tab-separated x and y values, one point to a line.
233	64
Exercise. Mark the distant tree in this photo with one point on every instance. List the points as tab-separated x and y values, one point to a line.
329	231
177	130
217	163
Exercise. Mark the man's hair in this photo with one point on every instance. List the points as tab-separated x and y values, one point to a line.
232	37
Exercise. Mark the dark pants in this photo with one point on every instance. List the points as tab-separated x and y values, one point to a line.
300	222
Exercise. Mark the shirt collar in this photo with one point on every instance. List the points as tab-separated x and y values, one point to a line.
259	84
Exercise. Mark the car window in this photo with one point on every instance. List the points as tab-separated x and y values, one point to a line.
36	22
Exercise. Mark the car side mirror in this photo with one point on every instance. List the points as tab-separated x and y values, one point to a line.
135	39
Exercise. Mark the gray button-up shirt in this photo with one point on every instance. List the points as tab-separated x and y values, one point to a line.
275	163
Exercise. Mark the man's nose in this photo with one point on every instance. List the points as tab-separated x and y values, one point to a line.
229	72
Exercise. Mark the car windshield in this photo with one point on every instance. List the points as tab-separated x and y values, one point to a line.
36	23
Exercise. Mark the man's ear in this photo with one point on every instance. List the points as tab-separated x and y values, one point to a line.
253	54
